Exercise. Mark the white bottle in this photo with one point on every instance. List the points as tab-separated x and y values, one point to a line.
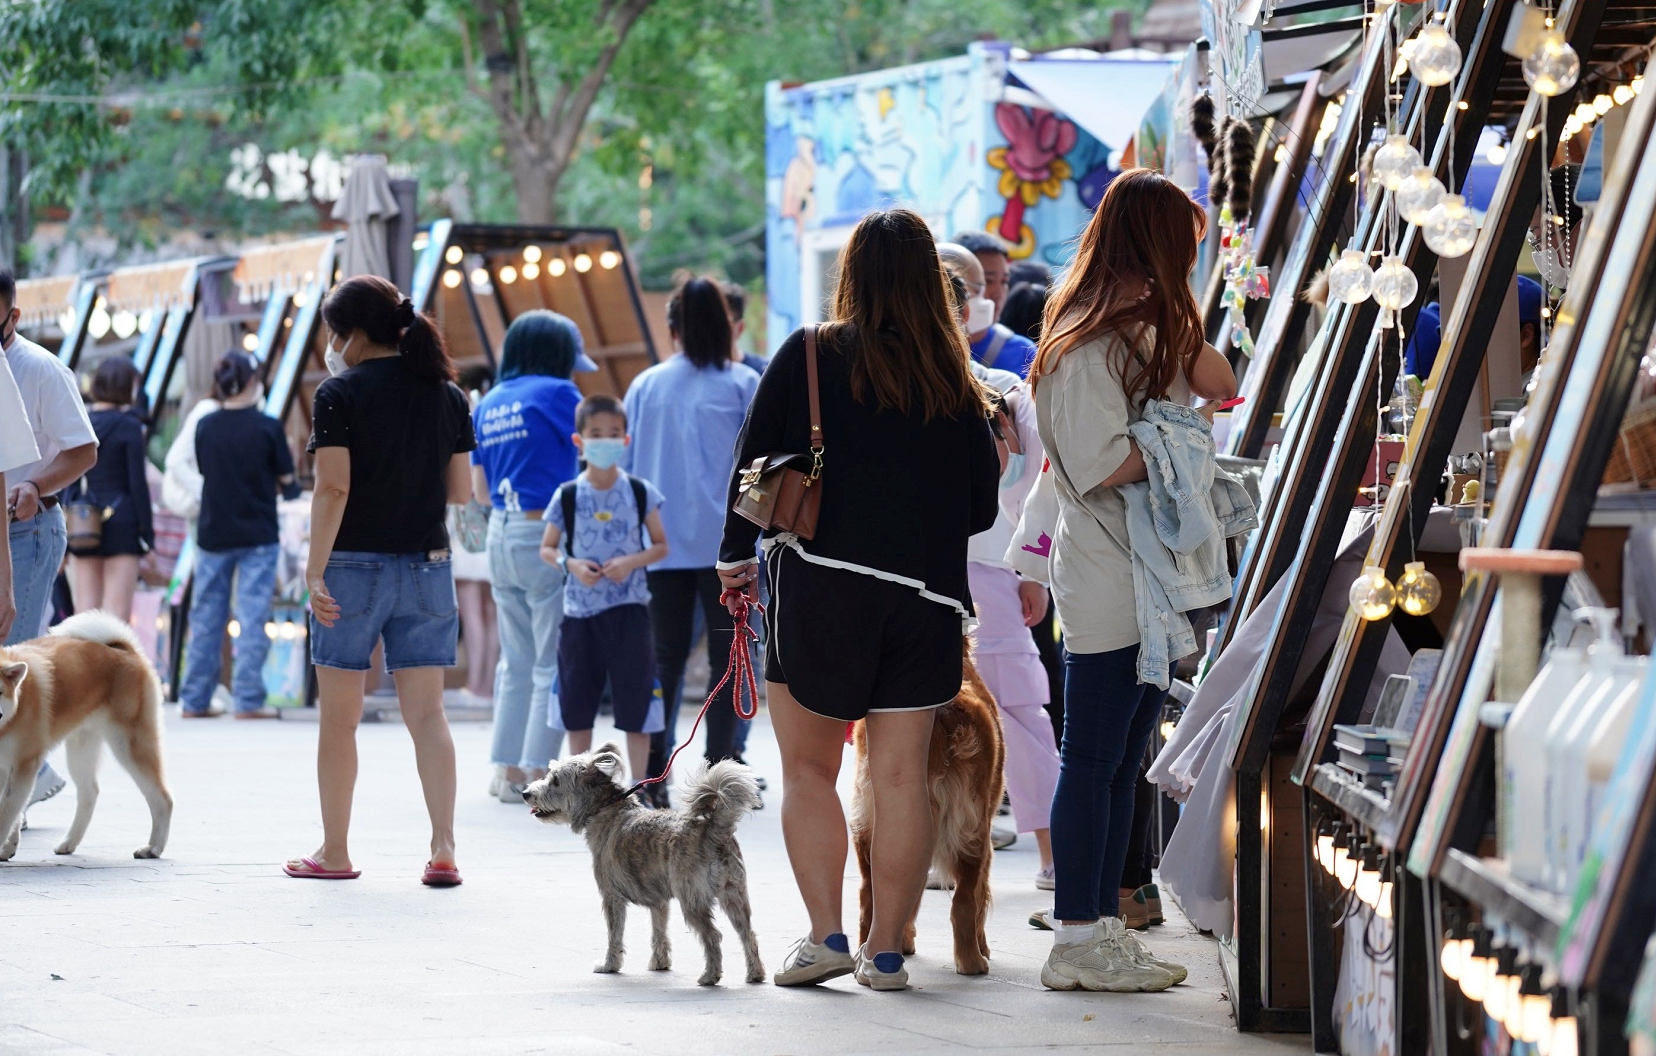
1571	762
1605	748
1595	681
1521	747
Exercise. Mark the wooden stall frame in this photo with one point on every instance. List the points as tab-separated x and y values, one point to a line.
74	341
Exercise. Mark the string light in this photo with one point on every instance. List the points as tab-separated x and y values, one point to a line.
250	342
609	259
1503	985
531	270
1372	595
453	256
1418	591
508	274
1368	877
1477	972
451	278
1563	1039
1622	94
532	253
123	322
1602	103
583	262
557	267
479	277
1457	947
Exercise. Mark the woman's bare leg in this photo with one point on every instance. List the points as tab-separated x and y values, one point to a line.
420	697
87	573
579	742
638	755
474	634
339	701
898	744
120	583
813	821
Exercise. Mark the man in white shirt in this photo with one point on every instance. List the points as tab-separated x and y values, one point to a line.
66	446
17	447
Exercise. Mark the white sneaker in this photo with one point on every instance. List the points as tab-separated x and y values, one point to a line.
1134	944
1002	837
811	963
1102	964
511	793
48	784
1046	879
1041	919
496	781
874	978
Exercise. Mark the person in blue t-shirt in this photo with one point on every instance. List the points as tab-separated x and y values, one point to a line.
993	344
595	535
525	449
1422	351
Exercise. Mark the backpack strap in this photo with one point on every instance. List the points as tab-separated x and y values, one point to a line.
566	498
641	499
998	335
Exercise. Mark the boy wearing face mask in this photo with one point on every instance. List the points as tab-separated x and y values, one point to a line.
594	532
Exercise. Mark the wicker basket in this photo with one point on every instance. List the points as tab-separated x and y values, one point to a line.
1633	459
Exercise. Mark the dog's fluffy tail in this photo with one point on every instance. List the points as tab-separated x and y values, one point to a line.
721	795
99	626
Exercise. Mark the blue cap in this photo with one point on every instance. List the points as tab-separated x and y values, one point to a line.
1529	302
583	360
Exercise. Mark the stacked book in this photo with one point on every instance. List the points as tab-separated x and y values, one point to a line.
1370	755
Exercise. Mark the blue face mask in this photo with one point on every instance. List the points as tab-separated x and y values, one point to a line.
603	453
1014	470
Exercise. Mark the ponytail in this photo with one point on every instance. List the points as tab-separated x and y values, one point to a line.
700	318
374	306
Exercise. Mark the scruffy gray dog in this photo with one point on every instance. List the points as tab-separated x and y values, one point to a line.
648	857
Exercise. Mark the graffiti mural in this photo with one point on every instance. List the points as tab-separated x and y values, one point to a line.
939	138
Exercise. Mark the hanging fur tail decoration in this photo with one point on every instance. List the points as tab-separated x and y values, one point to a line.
1207	134
1238	149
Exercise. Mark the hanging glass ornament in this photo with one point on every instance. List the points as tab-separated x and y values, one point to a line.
1436	58
1418	591
1450	228
1395	161
1553	66
1418	194
1372	595
1350	280
1394	284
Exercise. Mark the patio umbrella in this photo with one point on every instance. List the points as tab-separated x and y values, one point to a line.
364	206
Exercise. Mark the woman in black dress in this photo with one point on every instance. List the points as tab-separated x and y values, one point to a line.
106	577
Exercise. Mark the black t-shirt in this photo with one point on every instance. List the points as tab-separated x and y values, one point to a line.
242	454
401	429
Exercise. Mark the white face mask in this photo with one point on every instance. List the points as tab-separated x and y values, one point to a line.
980	315
1551	266
335	359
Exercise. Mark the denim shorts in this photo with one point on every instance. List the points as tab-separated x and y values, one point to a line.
408	599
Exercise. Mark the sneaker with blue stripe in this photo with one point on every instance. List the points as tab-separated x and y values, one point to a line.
812	963
884	971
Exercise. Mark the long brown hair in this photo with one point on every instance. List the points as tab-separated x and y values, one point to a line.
896	320
1145	230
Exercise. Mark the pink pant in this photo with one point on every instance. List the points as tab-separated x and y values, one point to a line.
1005	654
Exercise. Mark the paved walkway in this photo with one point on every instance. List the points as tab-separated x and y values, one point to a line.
213	950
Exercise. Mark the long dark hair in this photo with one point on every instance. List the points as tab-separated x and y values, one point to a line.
1144	234
374	306
1025	304
895	314
699	317
540	343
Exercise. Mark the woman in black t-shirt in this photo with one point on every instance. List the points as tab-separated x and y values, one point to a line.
391	434
106	576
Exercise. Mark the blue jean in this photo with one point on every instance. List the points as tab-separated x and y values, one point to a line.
1108	717
528	596
37	548
252	569
405	599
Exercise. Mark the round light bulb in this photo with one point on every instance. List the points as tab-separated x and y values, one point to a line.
1418	194
1418	591
583	262
451	278
1383	905
235	629
66	320
1436	58
1452	957
1372	596
1497	154
1534	1018
508	274
479	277
453	256
1476	973
146	319
1552	67
270	629
1368	886
250	342
1450	228
532	253
1603	103
557	267
1345	869
609	259
1325	852
290	630
1394	284
1395	161
1500	994
301	299
124	323
531	270
1584	113
1350	280
98	323
1622	94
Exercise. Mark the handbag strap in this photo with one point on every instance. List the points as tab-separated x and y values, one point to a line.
811	389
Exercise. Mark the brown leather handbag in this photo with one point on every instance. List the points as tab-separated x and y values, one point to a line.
84	520
783	492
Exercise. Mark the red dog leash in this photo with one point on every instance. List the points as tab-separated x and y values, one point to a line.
738	671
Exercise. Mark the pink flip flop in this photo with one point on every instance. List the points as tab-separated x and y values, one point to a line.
440	876
312	869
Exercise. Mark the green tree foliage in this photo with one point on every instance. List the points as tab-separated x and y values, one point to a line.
645	114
